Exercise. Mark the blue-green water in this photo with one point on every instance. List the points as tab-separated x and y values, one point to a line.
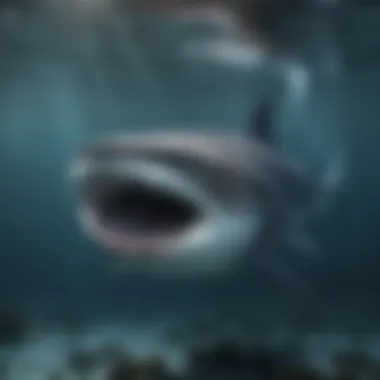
60	86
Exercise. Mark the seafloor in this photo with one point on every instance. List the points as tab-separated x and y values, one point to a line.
158	352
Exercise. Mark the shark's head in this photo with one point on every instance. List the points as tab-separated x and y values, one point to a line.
168	200
187	203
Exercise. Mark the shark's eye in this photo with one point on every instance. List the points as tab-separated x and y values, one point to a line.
137	208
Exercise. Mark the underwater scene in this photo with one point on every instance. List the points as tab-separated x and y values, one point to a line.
189	190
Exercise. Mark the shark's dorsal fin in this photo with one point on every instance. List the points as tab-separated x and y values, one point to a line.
261	124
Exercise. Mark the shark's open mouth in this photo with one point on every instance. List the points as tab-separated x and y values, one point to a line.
138	208
136	216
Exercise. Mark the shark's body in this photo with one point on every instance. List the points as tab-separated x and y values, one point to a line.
193	203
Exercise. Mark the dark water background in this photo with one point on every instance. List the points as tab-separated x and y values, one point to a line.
62	83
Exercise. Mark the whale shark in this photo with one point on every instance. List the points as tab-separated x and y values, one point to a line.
205	203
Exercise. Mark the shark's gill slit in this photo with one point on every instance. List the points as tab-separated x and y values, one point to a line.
137	208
